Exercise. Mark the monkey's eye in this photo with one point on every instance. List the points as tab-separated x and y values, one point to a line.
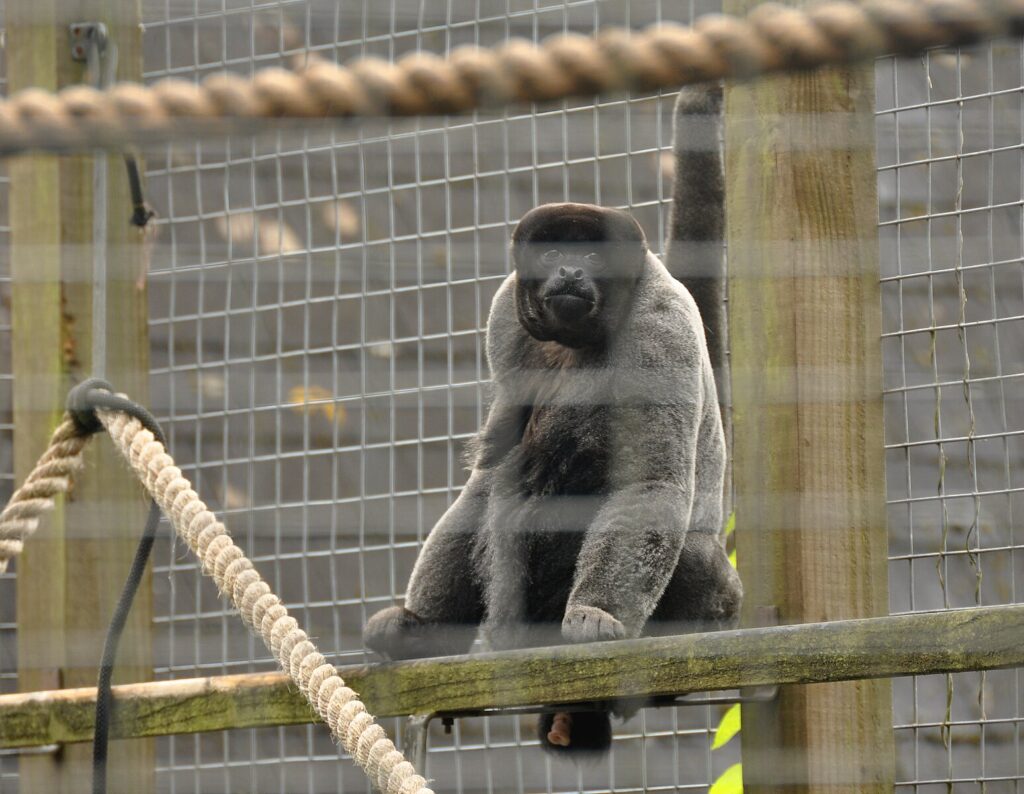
595	260
552	257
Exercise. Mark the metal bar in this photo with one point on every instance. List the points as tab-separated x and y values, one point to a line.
89	43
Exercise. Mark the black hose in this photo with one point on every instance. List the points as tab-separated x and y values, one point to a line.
141	213
83	400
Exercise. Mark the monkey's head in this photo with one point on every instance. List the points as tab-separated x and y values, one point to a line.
576	266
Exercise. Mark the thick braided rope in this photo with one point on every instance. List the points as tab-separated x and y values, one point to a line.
771	38
263	611
38	494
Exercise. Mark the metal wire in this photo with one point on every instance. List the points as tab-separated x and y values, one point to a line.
323	350
950	194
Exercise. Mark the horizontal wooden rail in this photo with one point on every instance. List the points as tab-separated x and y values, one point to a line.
984	638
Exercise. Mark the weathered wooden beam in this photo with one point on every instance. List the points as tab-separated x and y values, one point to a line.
985	638
32	57
808	446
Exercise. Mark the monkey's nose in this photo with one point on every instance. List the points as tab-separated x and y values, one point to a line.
574	273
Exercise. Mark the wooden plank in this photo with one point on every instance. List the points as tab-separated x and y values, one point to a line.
36	346
808	465
985	638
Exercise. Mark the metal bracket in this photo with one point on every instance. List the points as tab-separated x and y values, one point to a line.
90	45
416	735
42	749
85	35
415	739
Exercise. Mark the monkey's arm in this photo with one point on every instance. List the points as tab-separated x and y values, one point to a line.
443	604
444	600
442	586
632	547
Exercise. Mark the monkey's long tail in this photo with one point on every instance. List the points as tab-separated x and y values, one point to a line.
695	251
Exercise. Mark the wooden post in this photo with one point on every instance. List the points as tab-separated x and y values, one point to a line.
73	568
36	340
808	466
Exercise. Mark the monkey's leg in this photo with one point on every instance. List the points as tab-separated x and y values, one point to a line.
704	593
444	604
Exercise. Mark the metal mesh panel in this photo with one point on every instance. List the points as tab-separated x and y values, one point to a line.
317	306
950	195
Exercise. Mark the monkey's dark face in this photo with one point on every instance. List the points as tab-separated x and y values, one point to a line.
576	266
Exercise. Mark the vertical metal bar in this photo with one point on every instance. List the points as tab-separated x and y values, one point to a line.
102	67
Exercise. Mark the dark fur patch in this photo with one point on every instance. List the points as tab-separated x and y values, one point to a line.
577	223
695	250
612	234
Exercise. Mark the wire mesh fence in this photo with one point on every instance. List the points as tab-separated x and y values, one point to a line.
321	300
317	300
950	195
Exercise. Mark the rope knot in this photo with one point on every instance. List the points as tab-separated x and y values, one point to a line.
82	410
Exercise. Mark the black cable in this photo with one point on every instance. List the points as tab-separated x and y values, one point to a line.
83	401
141	213
104	691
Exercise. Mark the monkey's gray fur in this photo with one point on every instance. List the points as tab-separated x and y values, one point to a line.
594	506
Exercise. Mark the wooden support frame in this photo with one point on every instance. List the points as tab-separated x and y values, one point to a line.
72	569
984	638
808	454
36	362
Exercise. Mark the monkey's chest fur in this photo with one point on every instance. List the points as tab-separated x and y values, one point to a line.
563	468
557	474
564	442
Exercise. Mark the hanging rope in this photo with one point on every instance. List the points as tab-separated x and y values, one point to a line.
772	38
261	610
37	496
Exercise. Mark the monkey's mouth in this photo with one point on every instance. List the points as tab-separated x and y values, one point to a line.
568	308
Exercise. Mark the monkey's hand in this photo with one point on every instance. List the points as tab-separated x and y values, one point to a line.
590	624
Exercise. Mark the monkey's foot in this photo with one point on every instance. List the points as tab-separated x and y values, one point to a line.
397	633
591	624
581	735
561	729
